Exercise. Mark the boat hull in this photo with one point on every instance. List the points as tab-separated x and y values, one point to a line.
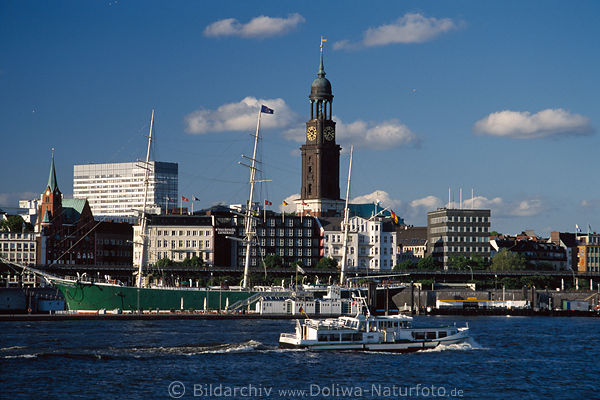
404	347
84	297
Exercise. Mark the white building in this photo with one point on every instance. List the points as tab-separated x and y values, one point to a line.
30	216
18	247
371	243
175	237
117	189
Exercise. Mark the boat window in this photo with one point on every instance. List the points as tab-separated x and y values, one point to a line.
347	336
419	335
395	324
431	335
442	334
357	336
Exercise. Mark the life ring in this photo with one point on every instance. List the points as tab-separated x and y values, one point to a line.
29	310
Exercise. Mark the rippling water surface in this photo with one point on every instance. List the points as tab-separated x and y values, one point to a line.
508	358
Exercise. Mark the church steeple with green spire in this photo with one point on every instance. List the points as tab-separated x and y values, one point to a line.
52	178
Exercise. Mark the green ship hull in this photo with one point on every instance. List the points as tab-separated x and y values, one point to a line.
94	297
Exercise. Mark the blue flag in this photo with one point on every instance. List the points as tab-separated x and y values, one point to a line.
266	110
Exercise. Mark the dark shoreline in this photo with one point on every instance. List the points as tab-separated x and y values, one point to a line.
216	316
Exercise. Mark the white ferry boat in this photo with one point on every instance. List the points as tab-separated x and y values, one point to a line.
370	333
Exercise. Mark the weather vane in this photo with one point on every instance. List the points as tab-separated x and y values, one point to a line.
322	40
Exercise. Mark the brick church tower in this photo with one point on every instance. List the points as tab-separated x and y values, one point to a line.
320	193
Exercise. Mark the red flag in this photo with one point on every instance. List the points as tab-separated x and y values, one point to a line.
183	198
304	204
268	203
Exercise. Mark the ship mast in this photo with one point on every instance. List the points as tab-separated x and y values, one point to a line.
143	221
249	217
346	216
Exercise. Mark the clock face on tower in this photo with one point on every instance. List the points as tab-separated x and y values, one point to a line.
311	133
329	133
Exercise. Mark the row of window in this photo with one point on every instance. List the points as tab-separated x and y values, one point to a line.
18	246
184	233
179	244
466	249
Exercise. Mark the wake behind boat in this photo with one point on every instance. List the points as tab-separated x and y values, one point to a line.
365	332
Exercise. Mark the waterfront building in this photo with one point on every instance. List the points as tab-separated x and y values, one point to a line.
538	253
114	244
175	237
458	232
588	253
18	247
568	242
294	238
320	192
30	208
65	227
371	244
115	191
411	242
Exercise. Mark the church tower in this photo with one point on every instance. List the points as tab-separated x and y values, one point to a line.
50	212
320	193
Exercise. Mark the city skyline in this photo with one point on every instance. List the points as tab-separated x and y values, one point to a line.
498	97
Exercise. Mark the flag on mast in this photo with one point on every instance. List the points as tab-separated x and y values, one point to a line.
196	199
268	203
394	217
183	198
266	110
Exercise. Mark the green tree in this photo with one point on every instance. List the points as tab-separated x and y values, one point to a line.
495	233
164	262
272	261
327	263
506	260
459	263
194	261
16	224
404	265
427	263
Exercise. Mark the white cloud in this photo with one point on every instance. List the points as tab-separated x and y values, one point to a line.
258	27
411	28
429	203
382	196
524	125
363	134
240	116
291	207
593	203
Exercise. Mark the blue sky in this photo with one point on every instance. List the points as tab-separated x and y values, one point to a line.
496	96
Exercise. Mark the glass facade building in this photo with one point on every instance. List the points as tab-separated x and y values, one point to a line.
117	189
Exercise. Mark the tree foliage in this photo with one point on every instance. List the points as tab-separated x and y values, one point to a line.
15	224
506	260
273	261
427	263
327	263
404	265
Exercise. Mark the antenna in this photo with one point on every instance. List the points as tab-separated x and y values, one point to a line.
472	198
460	205
449	197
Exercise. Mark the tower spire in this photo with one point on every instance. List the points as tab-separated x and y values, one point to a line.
321	72
52	178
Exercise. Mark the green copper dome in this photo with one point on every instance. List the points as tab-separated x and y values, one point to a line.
321	87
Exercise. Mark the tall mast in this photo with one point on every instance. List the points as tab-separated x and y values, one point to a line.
143	221
248	220
346	216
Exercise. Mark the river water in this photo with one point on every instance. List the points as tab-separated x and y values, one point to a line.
508	358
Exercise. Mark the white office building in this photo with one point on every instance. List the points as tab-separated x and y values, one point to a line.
371	243
117	189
